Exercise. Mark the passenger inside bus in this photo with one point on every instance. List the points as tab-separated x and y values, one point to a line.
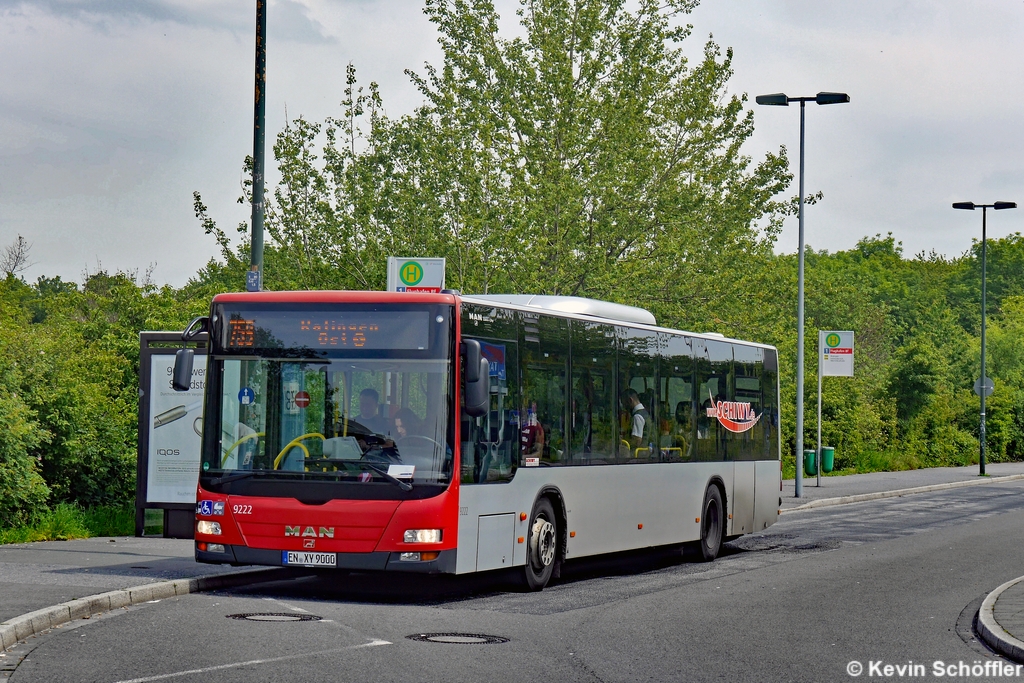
406	425
681	431
369	411
639	425
532	437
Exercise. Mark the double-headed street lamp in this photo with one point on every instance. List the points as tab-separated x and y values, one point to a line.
782	100
982	386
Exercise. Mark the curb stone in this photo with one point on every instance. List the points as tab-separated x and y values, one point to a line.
994	635
26	625
895	493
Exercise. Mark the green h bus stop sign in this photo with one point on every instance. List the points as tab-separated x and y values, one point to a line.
414	274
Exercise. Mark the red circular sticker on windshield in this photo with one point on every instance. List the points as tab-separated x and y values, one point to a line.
301	399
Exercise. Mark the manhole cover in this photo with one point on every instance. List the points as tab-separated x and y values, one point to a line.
274	616
458	638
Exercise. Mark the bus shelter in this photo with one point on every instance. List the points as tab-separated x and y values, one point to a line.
170	434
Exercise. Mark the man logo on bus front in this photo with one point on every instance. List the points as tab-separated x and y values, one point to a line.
736	417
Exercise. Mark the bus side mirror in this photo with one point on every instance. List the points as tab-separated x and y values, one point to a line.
181	378
476	388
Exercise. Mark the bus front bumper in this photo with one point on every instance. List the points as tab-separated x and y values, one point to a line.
375	561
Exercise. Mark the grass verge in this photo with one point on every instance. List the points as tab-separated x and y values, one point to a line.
67	521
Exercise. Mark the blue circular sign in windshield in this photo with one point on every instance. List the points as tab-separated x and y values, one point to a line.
246	396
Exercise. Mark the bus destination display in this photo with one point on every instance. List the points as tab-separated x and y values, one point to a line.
327	329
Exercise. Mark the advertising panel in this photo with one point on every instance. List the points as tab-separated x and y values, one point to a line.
175	432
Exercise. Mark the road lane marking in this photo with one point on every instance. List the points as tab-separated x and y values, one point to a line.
285	604
253	662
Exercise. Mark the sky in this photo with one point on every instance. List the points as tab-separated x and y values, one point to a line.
112	112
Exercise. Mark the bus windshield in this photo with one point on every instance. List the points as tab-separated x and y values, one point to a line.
356	393
337	419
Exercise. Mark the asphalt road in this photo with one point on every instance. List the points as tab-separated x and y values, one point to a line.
891	581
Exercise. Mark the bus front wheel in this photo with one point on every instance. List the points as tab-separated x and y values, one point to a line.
711	524
542	546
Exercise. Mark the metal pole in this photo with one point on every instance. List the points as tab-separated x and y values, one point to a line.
818	449
254	279
981	461
799	492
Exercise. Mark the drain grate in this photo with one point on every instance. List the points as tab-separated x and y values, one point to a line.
274	616
458	638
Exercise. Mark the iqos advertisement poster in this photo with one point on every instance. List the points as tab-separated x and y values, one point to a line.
175	432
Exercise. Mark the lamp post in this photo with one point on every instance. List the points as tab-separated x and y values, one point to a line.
982	384
782	100
254	277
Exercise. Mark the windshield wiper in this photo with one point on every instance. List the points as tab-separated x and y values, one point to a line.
405	486
217	481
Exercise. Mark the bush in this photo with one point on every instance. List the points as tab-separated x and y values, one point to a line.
110	521
68	521
22	490
64	522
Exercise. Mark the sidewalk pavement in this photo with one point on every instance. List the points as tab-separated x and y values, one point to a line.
37	575
1001	620
876	482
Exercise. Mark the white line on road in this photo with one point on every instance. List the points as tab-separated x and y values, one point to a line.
252	662
285	604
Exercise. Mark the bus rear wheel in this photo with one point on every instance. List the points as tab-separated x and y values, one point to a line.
711	524
542	546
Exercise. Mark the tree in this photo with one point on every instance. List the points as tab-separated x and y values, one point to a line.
585	157
14	259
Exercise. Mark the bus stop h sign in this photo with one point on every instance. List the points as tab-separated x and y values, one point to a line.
835	349
415	274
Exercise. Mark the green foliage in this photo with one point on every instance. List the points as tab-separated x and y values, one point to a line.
67	521
586	156
63	523
107	520
69	387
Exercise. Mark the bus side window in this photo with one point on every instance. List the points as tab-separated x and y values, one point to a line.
748	368
710	388
594	409
676	419
545	364
770	392
718	388
638	393
490	443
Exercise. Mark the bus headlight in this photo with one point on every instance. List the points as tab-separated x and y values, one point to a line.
210	528
422	536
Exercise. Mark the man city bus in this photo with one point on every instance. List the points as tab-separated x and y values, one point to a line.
420	432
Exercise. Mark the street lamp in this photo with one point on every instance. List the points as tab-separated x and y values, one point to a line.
782	100
982	388
254	276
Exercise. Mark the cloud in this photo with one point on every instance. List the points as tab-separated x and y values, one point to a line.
101	14
290	21
286	19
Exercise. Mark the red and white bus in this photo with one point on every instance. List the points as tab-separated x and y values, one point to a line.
444	433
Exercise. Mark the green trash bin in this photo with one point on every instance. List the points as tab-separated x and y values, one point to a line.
809	465
828	457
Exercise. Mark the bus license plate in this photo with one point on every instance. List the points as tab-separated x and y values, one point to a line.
300	559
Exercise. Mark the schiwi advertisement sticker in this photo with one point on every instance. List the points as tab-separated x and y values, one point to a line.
734	416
